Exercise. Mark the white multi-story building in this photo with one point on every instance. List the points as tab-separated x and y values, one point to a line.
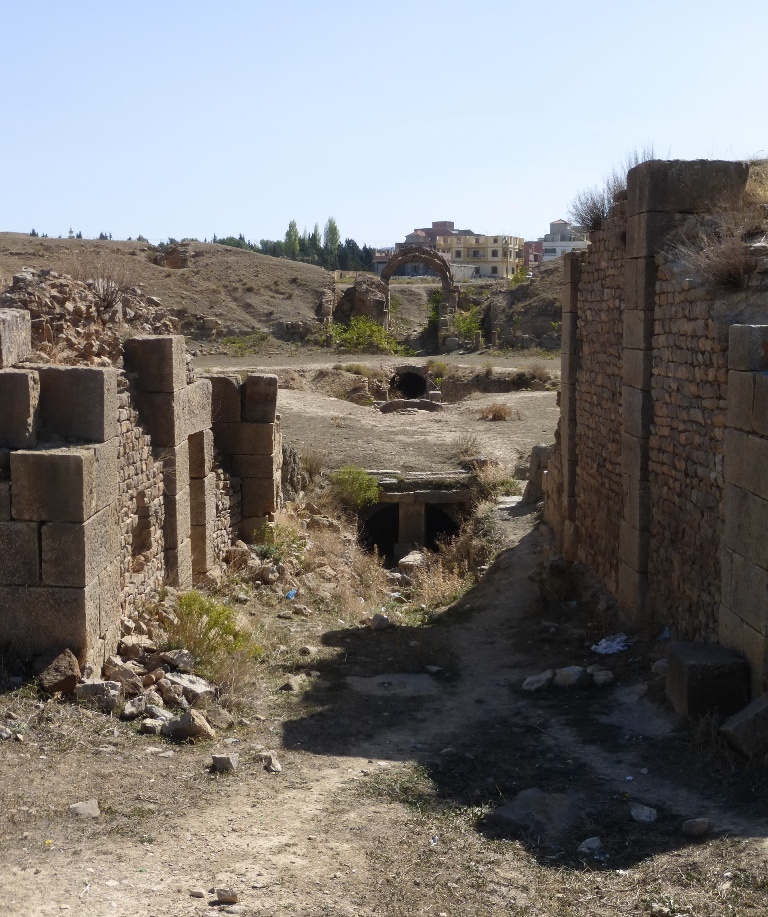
562	237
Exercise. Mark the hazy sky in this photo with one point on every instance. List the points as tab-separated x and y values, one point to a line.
193	118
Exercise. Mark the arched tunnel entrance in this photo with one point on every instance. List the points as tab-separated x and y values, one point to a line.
438	526
381	531
410	385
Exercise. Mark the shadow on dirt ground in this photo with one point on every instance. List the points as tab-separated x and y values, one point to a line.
477	740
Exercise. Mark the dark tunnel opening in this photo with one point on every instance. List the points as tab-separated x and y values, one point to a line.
410	385
381	531
438	526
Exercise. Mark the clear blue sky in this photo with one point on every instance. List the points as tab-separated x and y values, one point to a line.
188	118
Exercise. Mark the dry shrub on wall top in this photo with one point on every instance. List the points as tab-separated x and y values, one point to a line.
717	250
592	205
109	278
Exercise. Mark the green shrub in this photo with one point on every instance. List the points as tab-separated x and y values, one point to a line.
467	323
353	487
364	335
210	631
279	543
433	319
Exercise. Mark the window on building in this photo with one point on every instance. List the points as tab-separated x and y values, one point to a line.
550	251
494	270
477	240
457	253
496	240
475	253
494	253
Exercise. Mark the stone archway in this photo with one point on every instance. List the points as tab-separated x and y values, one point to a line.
408	254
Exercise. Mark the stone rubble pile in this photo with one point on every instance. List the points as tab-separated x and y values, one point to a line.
79	322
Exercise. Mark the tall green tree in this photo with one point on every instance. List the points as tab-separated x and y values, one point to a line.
291	246
331	244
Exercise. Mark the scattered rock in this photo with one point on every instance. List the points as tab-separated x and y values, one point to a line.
411	561
115	670
190	725
270	762
570	676
133	708
590	846
541	816
197	893
136	646
659	910
695	827
5	733
58	673
223	763
602	678
537	466
308	651
643	814
103	694
293	683
380	622
151	726
660	667
219	717
192	686
227	896
87	809
537	682
181	660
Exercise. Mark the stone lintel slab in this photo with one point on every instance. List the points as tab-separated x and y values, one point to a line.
259	398
748	348
686	186
247	438
226	398
171	417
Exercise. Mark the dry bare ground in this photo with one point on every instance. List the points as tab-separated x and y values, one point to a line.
379	808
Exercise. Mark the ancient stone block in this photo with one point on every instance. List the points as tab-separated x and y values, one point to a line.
19	554
637	411
749	592
735	633
202	492
571	268
15	336
569	367
5	501
637	503
748	348
63	485
177	518
226	403
43	619
634	456
19	397
747	730
78	403
741	388
171	417
74	554
246	438
640	284
568	340
633	547
203	557
260	398
759	404
746	517
200	454
706	678
160	362
647	232
632	595
178	565
637	368
259	497
638	329
685	186
253	528
175	461
254	466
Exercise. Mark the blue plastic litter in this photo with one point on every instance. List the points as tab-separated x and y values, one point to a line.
665	634
291	594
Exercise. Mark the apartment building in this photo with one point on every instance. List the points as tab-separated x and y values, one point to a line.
562	237
473	255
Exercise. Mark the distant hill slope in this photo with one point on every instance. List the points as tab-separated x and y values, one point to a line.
246	291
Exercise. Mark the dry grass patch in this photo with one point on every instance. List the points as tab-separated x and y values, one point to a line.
499	411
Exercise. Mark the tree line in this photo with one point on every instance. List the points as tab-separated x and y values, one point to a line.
326	250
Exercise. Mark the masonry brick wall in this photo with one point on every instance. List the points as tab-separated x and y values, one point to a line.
598	488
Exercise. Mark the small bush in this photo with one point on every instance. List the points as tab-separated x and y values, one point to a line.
211	632
499	411
539	372
590	207
437	368
467	323
312	462
364	335
466	446
353	488
280	541
718	251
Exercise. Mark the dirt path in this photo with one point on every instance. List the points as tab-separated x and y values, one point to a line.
376	809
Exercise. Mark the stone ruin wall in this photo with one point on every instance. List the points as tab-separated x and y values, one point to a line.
657	480
114	483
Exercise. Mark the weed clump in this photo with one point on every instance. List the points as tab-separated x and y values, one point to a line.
499	411
353	488
363	335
